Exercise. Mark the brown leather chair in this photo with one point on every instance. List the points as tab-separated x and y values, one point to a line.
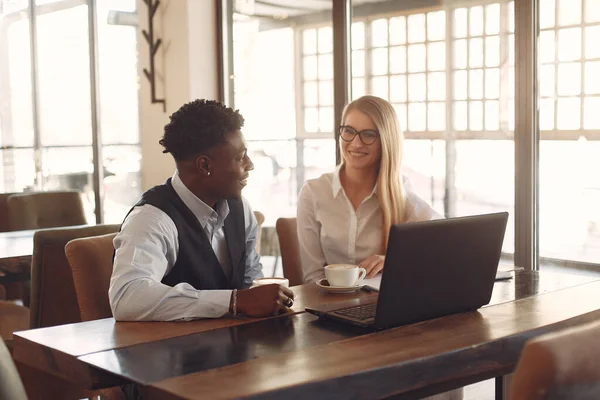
38	210
260	218
4	227
13	317
290	250
91	261
561	365
53	298
11	386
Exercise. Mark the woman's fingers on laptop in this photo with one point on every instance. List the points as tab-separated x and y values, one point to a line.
373	265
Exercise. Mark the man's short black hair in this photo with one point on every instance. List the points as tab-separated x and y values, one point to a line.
197	126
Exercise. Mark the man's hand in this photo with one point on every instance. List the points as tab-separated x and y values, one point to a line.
373	265
265	300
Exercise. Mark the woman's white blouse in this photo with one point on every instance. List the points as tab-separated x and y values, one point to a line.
330	231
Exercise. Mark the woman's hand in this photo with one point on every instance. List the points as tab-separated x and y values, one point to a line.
373	265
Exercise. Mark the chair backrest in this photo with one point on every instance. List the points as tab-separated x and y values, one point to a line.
290	250
91	261
4	225
53	297
13	317
260	218
41	210
11	386
561	365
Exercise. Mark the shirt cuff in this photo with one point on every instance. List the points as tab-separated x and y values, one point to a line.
214	303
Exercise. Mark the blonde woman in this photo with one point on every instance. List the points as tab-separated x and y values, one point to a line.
345	216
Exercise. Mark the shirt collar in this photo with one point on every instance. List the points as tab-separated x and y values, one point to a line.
336	183
200	209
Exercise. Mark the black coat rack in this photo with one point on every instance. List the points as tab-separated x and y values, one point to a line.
149	35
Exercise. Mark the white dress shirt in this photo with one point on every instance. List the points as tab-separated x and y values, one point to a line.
330	231
146	250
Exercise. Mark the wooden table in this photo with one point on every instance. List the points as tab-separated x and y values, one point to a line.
299	356
16	249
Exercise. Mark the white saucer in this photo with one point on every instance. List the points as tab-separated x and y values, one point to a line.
323	284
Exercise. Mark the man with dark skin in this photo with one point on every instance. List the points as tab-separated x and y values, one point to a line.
186	250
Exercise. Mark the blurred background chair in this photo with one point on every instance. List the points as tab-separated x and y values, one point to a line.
561	365
53	297
290	250
260	218
4	225
91	261
11	386
40	210
13	317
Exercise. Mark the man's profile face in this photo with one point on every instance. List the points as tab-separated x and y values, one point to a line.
230	166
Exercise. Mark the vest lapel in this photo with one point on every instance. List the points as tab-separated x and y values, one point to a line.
235	234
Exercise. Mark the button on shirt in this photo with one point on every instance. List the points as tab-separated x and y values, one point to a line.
330	231
146	250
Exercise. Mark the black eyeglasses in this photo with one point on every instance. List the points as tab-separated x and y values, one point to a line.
367	136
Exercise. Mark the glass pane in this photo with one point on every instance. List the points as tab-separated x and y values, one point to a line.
326	93
569	44
436	86
460	85
311	120
460	22
592	37
326	66
416	58
592	11
397	59
492	19
398	89
70	168
417	87
326	119
569	113
460	54
476	84
591	116
592	77
569	12
460	116
492	51
379	33
546	114
64	77
476	53
358	88
436	56
436	116
310	68
547	13
417	117
416	28
492	115
402	115
358	63
476	21
122	181
325	37
118	77
547	80
309	41
379	61
476	115
17	169
397	30
379	87
311	94
569	79
16	111
436	25
546	48
358	35
492	83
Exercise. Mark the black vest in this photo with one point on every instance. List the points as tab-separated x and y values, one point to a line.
196	262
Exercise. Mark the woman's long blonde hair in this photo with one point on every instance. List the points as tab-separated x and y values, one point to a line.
390	188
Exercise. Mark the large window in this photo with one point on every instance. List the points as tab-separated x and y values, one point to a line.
47	144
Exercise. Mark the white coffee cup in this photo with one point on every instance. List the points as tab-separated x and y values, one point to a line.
267	281
344	274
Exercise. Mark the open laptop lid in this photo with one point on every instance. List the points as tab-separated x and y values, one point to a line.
439	267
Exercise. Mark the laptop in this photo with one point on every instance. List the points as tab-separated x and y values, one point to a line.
432	269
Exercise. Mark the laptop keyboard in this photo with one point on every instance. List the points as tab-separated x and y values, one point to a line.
361	313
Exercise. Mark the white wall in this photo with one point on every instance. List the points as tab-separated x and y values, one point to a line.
187	68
